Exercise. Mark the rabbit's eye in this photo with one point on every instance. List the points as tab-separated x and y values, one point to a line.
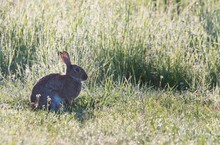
77	70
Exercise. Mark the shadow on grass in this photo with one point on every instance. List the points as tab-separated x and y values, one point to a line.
81	110
133	66
21	57
211	24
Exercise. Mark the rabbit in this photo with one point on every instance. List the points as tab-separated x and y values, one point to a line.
55	90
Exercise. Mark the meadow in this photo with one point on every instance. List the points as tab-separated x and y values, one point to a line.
153	67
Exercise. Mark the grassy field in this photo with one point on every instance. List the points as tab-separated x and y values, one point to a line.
153	67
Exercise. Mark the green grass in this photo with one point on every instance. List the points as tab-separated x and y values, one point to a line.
113	114
153	69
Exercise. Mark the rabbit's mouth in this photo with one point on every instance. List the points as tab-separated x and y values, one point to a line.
76	79
82	78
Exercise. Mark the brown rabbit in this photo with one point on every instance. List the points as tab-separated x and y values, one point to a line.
55	90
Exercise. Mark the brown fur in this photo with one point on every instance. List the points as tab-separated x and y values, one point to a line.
60	89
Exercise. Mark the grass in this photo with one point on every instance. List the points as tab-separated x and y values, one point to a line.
120	114
153	71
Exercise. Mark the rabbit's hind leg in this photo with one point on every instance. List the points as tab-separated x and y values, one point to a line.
56	103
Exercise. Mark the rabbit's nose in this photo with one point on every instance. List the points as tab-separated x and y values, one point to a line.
84	77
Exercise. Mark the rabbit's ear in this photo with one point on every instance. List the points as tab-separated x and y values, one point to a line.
65	57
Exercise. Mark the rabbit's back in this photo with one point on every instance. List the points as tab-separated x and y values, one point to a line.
47	86
59	89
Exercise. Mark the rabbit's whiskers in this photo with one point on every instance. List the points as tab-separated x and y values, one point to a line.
77	79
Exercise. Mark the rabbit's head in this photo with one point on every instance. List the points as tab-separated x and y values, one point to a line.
74	71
